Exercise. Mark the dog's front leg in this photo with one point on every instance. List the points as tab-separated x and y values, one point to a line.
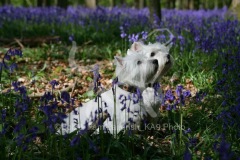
151	102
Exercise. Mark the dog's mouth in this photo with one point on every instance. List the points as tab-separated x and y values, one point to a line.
156	68
162	70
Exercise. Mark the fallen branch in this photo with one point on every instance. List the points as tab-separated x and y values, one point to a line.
67	89
30	41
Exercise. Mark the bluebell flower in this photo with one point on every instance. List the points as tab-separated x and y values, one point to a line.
187	131
115	81
20	139
120	97
187	155
54	83
75	141
186	93
179	90
92	146
169	96
3	114
224	151
47	97
14	52
33	129
133	38
144	35
65	96
19	125
169	107
123	35
15	85
7	57
71	38
124	107
12	67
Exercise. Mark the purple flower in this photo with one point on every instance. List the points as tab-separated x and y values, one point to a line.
54	83
224	151
71	38
123	35
3	114
187	131
75	141
133	38
169	107
115	81
65	96
169	96
7	57
124	107
179	90
186	94
187	155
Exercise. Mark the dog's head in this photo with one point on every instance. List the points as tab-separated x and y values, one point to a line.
136	70
154	51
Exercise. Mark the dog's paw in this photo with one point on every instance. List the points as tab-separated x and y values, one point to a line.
151	96
148	94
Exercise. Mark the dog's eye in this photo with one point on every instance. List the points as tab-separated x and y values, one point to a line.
139	62
152	54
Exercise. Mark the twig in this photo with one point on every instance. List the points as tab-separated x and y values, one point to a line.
38	95
19	43
74	85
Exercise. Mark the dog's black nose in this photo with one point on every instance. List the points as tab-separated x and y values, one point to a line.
168	56
155	61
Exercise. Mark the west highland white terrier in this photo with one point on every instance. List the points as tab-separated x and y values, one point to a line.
133	99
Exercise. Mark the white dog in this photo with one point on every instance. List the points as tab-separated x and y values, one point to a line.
125	108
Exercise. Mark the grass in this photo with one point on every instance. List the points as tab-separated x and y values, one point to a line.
27	125
195	116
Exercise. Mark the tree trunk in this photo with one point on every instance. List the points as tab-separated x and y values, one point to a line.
180	4
196	4
235	7
39	3
141	4
235	3
48	3
112	3
122	2
206	6
189	4
136	3
155	9
62	3
173	4
215	4
168	4
144	3
5	2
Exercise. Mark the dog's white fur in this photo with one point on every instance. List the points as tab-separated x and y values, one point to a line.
134	70
154	51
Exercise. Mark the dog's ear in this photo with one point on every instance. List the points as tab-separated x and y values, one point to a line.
118	60
136	46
